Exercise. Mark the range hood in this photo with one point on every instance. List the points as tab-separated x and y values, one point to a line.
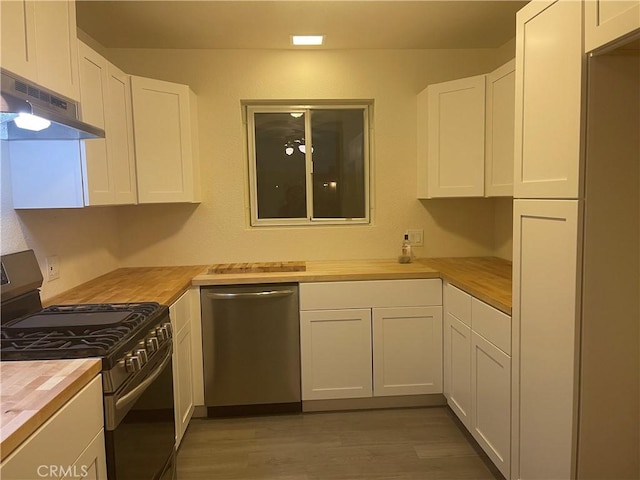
19	97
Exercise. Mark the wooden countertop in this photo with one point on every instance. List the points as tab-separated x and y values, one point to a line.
135	284
325	271
32	391
486	278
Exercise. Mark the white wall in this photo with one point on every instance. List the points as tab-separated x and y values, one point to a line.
217	231
93	241
85	240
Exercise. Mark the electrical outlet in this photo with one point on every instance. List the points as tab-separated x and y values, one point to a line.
416	237
53	267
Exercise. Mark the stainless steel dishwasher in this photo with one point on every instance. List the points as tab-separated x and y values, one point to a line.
251	347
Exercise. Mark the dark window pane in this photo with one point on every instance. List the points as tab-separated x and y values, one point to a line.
280	166
338	163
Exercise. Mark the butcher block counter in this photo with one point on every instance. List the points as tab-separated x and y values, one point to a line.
135	284
32	391
487	278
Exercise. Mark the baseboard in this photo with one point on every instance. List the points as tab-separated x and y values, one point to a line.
404	401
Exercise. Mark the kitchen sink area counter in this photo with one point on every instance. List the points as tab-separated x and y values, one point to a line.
32	391
325	271
487	278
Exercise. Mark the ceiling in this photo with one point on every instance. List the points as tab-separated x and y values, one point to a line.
267	24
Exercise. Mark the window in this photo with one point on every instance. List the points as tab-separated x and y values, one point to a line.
308	164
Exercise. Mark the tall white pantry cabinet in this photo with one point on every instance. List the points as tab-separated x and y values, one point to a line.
576	268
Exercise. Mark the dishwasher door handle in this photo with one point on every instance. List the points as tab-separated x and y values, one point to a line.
248	295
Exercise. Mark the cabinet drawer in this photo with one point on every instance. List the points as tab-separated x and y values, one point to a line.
457	303
370	294
492	324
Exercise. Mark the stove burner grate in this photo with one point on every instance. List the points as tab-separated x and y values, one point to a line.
61	328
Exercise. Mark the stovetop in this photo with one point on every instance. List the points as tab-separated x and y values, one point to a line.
78	331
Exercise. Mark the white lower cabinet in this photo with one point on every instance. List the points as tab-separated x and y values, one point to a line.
491	401
183	313
81	454
336	354
371	338
477	372
407	350
457	368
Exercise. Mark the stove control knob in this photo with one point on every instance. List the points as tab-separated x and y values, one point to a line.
166	330
161	334
132	363
152	344
169	329
141	353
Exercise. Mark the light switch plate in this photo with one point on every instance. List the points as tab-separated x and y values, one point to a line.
416	237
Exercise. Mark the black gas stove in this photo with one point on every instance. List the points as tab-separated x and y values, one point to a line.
134	343
110	331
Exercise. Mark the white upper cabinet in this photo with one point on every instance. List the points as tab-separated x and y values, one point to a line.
465	136
549	98
608	21
109	163
120	140
500	111
39	43
455	133
166	143
18	38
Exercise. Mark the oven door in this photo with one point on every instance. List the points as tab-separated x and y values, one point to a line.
140	424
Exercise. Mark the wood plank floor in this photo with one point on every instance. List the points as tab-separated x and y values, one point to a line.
397	444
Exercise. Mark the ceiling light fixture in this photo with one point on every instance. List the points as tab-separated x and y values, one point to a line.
303	40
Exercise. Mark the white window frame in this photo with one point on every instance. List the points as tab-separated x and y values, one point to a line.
252	108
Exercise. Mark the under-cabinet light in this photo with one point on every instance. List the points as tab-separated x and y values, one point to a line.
31	122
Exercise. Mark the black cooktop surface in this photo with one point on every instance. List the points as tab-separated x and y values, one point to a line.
78	331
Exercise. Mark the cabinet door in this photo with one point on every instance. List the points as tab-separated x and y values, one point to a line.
119	125
184	385
407	351
490	400
335	349
500	109
455	157
549	100
44	455
181	316
97	172
92	463
457	367
57	47
546	293
165	160
18	38
609	20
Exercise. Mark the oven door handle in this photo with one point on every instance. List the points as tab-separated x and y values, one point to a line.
133	395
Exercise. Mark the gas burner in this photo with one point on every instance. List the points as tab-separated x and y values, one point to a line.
76	331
